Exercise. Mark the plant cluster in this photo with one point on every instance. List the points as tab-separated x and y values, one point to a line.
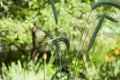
32	38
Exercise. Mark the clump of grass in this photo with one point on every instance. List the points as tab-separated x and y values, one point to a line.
97	28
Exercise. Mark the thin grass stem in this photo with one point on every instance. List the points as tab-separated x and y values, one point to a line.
44	69
79	52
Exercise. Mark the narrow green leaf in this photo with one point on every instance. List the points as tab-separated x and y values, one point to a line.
106	2
55	43
54	11
57	47
95	33
48	34
107	17
65	40
111	19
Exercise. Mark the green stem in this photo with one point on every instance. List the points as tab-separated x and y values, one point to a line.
44	69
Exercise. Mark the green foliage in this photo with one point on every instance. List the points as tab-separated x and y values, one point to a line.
25	71
27	28
98	28
110	68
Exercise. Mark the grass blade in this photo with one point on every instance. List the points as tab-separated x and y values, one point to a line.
106	2
55	43
65	40
107	17
48	34
95	33
54	11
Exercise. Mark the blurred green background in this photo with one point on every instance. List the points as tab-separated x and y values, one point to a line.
26	26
